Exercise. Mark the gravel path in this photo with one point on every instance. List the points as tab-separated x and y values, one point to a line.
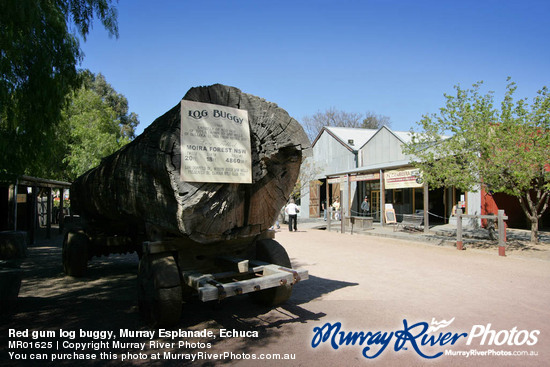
366	283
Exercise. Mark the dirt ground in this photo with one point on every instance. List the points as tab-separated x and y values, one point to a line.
366	283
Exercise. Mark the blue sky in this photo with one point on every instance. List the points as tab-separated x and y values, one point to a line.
395	58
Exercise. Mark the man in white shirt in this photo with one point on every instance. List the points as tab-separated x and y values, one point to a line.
292	211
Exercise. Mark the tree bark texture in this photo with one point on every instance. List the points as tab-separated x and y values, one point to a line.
534	209
138	188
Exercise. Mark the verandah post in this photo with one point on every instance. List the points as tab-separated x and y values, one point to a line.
459	229
426	206
501	233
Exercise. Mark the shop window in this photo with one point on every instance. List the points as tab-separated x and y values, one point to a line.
418	199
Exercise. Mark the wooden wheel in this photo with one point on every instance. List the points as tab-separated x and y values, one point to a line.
271	251
159	294
75	253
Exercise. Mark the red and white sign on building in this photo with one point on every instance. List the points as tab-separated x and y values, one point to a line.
403	178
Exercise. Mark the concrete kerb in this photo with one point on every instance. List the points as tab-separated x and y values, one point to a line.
378	230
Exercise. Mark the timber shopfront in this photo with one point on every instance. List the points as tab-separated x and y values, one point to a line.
375	167
402	188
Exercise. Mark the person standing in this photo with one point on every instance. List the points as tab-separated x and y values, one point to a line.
336	206
365	206
292	211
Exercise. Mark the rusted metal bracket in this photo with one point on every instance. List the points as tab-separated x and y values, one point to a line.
294	273
219	286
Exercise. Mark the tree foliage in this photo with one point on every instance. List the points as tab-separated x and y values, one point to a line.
472	143
38	66
95	124
92	133
116	101
333	117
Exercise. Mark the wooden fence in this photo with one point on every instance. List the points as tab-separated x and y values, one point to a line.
501	225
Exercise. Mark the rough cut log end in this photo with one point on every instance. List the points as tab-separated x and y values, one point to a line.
139	186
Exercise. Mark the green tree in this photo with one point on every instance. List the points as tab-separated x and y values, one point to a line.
471	143
91	131
119	104
95	123
38	61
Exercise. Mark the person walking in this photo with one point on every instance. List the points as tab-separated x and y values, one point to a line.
292	211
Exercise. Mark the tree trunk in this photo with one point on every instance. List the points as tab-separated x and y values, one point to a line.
138	188
533	211
534	230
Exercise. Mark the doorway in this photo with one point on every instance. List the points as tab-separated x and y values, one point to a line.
375	204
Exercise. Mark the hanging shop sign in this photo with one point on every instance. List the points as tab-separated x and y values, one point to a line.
365	177
403	178
337	180
215	144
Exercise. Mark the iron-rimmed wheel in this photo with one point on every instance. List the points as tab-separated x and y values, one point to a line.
159	293
271	251
75	253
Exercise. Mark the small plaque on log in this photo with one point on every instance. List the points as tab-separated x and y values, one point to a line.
215	144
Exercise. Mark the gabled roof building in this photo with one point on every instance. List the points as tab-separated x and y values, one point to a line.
351	164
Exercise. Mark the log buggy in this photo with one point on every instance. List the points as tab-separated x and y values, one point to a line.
205	239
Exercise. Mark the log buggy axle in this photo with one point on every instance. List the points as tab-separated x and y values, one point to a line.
164	286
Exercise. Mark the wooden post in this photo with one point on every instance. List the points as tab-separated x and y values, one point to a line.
61	207
329	218
501	234
342	221
327	204
12	205
459	229
349	195
34	215
426	207
49	207
15	204
382	199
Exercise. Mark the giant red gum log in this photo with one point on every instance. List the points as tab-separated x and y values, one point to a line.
138	188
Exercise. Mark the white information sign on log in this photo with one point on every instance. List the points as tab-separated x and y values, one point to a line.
215	144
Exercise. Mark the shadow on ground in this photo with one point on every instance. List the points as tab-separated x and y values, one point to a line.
106	300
